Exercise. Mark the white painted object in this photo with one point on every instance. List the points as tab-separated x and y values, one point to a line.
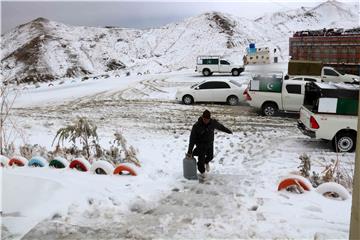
333	187
105	165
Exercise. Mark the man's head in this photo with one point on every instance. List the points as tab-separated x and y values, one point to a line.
206	116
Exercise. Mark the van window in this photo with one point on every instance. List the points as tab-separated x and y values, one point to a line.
330	72
211	61
214	85
223	62
293	88
310	79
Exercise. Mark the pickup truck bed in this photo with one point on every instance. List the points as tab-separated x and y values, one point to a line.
340	129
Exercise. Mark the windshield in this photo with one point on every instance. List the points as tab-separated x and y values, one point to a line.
341	72
236	83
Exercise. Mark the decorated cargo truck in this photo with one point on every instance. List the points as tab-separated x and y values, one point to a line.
330	113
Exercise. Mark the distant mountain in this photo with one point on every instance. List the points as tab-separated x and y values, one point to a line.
43	50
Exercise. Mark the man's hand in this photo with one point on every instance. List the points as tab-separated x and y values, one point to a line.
188	155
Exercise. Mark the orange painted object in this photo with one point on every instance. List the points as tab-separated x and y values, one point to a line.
16	162
78	165
287	182
124	168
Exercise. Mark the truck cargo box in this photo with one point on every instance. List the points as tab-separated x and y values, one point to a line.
308	68
335	98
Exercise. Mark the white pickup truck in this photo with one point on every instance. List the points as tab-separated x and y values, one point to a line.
272	94
329	74
207	65
330	113
316	69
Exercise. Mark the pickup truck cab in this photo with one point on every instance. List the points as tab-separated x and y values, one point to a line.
330	113
207	65
271	94
297	68
329	74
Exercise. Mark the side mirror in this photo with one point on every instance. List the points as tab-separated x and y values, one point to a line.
197	88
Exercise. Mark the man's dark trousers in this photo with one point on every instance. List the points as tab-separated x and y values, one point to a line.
205	153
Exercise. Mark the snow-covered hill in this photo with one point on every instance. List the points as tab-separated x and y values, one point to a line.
43	50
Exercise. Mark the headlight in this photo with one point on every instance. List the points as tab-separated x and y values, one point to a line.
355	79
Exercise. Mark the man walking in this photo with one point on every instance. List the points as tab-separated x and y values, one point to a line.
202	135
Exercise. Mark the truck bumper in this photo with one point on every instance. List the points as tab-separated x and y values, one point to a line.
305	130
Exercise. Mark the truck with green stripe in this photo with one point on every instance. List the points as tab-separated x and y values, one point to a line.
330	113
270	93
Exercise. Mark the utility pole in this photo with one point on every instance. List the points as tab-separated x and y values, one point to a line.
355	213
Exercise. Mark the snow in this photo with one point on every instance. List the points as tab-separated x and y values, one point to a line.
238	200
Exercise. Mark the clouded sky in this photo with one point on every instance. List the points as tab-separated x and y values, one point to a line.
135	14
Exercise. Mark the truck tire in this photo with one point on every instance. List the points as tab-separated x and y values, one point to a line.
102	167
80	164
344	142
37	162
332	187
235	72
206	72
269	109
188	100
232	100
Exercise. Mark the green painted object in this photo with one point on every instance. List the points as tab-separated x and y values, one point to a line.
56	164
347	106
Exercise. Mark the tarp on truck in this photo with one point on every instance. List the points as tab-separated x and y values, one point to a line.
308	68
266	82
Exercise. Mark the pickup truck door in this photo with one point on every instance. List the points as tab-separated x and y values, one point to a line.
329	75
293	96
224	66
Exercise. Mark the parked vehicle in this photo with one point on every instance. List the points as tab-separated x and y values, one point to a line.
316	69
270	93
228	91
329	74
330	113
207	65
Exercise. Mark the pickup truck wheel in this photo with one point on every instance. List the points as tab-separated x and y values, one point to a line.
269	109
187	99
345	142
232	100
235	72
206	72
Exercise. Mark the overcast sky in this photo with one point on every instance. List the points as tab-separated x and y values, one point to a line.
135	14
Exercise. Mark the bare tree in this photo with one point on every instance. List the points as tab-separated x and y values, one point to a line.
7	126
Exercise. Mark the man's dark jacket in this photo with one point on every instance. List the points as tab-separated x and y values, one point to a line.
203	134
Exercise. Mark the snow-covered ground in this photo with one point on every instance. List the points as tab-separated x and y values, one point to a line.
239	199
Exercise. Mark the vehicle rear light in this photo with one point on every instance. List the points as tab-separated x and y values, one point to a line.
247	95
313	123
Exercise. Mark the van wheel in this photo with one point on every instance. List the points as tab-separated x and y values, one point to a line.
206	72
187	99
235	72
269	109
232	100
344	142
